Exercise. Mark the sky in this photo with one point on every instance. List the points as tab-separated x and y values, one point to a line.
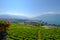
29	8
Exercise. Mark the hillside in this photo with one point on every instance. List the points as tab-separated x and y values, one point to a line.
3	16
19	31
49	18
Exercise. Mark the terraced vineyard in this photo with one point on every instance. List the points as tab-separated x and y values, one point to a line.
25	32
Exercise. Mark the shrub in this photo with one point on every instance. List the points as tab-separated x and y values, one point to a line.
4	23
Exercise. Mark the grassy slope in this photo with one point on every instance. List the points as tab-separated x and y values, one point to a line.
26	32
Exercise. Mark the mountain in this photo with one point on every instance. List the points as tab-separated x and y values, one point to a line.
49	18
13	18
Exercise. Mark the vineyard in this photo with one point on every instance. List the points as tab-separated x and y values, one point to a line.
19	31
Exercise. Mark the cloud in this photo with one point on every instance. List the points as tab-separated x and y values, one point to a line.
17	14
14	13
27	14
44	13
51	13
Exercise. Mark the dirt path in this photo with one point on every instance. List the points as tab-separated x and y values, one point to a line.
39	35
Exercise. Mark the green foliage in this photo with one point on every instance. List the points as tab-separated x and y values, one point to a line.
50	34
25	32
3	23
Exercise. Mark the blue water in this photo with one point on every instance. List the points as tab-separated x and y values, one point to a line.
57	22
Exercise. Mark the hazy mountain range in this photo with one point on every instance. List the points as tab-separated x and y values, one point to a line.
49	18
12	17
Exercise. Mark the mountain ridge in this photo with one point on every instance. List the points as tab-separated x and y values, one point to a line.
50	18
